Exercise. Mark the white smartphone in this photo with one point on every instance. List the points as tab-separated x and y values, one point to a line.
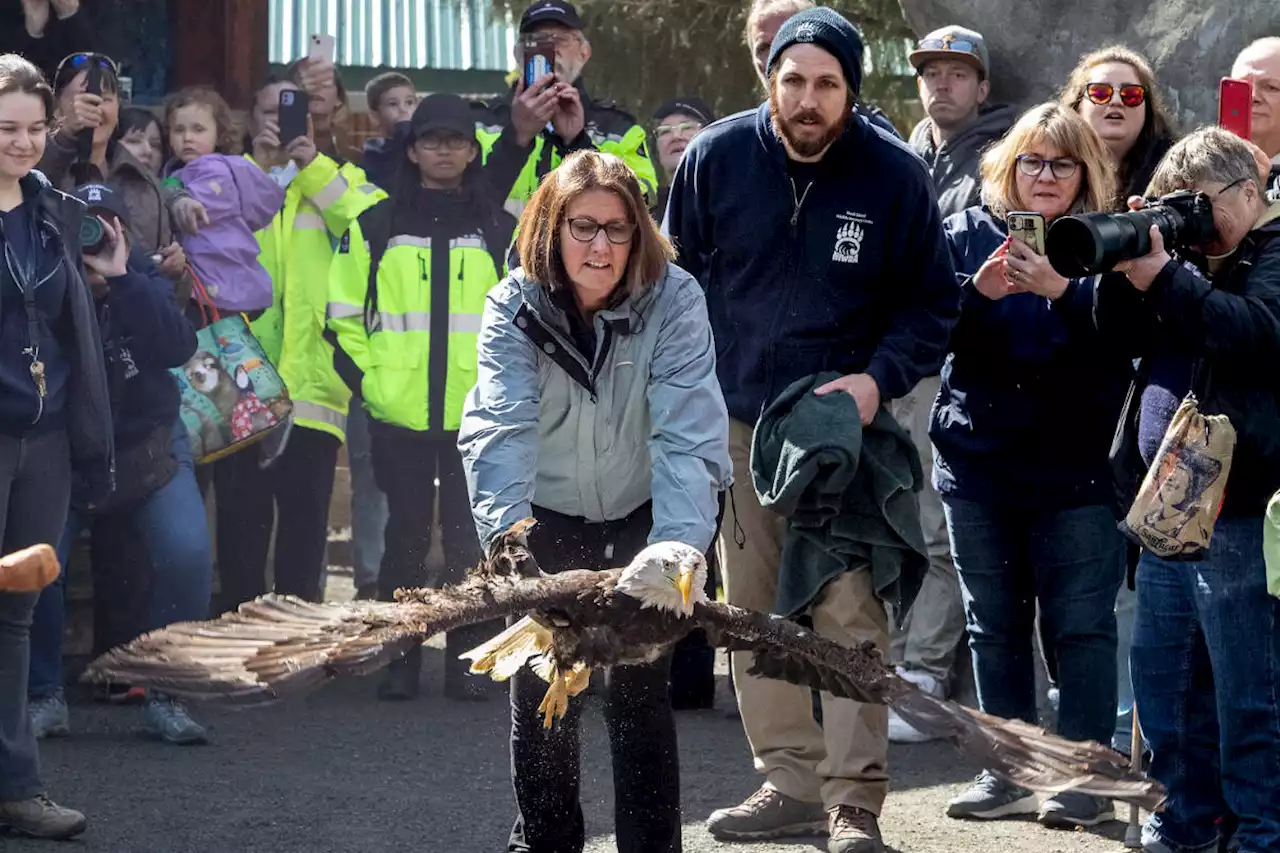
321	47
1027	226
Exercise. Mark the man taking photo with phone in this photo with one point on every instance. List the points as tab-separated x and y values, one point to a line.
1259	63
552	116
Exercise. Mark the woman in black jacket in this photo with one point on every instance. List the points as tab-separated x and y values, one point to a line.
1206	642
54	415
151	558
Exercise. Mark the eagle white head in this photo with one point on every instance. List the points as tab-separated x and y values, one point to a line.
668	575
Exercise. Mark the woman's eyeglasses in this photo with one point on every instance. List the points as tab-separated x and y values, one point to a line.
77	62
1060	167
1131	94
684	128
585	230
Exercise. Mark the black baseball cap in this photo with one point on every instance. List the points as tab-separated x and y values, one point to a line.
550	12
695	107
442	112
103	201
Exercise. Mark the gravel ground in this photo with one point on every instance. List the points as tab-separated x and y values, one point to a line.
340	771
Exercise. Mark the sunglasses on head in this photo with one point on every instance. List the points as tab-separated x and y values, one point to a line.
1131	94
961	45
77	62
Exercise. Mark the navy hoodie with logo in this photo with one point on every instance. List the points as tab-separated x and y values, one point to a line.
853	275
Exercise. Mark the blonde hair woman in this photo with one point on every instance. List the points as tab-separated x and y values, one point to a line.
1021	430
598	412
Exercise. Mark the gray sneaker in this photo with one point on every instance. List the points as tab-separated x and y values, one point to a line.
166	718
49	715
1072	810
41	817
991	797
767	814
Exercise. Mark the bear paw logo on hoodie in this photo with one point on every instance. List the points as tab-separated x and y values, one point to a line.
848	243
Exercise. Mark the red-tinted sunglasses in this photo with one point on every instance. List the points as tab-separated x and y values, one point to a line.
1131	94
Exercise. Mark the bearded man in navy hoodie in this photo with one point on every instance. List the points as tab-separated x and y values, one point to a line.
818	240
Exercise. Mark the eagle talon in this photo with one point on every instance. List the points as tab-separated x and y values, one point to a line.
556	703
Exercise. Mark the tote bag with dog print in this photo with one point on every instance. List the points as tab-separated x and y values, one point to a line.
232	396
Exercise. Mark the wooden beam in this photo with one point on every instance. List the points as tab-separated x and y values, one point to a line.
221	43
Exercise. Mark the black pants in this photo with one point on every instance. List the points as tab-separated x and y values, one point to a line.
35	491
297	488
405	464
637	712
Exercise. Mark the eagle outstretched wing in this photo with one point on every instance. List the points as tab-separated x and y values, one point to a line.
279	646
1022	753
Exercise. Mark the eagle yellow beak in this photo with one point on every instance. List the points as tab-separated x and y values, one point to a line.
684	583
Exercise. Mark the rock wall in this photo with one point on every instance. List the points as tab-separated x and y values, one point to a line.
1034	44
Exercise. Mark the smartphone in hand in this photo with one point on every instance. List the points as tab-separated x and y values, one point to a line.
1235	107
1027	226
321	48
292	117
539	59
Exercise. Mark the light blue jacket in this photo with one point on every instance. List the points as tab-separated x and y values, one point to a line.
655	427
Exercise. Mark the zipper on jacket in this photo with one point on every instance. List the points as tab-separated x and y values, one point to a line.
798	202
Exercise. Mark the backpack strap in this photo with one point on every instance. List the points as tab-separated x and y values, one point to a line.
375	224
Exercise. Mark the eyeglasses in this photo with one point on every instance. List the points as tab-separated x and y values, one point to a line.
452	142
1033	166
77	62
1131	94
558	39
959	45
585	230
684	128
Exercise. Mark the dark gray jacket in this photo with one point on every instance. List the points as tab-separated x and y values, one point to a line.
954	166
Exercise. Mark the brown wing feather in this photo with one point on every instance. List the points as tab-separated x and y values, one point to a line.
278	646
1025	754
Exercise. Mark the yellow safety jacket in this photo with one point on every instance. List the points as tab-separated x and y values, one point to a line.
410	322
296	249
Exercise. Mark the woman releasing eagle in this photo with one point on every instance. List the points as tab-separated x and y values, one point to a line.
277	647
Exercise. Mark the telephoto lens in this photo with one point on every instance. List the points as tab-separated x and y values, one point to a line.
1092	243
94	238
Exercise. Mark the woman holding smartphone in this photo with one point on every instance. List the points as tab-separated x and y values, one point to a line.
1021	430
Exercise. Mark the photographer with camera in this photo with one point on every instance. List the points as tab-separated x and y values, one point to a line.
1206	644
151	557
1021	430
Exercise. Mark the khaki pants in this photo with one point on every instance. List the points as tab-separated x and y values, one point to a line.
845	760
934	627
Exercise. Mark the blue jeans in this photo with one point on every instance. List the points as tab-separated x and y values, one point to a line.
1126	606
368	503
171	525
1072	562
1206	674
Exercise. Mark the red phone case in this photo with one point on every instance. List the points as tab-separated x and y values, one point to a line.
1235	107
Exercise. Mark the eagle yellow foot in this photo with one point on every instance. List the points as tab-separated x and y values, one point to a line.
563	686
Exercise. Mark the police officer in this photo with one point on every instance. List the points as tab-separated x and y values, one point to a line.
556	116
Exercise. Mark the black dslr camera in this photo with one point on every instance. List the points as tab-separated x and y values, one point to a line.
1093	243
94	237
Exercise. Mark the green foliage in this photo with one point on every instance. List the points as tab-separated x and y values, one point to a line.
646	51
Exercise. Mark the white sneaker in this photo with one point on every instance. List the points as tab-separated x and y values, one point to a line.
899	730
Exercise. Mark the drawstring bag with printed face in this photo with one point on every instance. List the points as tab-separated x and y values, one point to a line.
1178	503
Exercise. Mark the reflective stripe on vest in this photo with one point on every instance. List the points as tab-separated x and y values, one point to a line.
306	410
330	192
339	310
420	321
309	220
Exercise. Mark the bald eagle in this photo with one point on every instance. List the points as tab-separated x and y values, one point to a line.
572	622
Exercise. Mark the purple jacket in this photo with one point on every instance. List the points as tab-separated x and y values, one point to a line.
241	199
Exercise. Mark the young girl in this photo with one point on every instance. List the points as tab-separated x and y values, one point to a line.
238	197
140	133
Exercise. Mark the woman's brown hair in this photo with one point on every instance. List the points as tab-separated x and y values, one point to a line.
17	75
228	141
1157	134
1064	129
540	225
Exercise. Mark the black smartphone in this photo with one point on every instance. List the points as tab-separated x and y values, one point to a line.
292	118
539	59
92	86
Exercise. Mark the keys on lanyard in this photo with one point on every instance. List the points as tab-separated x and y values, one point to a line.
37	371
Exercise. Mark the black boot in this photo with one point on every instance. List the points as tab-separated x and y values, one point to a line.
402	677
